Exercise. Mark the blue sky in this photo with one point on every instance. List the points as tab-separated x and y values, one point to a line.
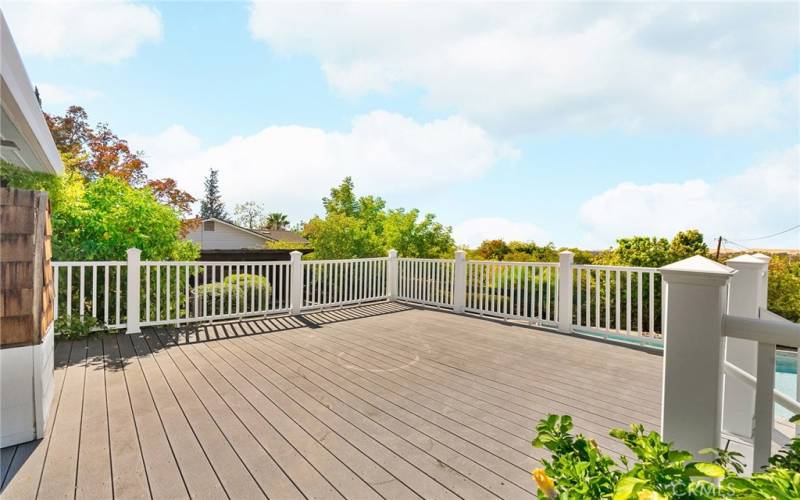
571	123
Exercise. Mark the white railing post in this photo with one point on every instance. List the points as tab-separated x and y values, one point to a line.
460	282
744	299
296	285
133	282
691	407
565	291
392	275
764	411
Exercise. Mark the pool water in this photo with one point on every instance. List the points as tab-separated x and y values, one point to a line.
785	379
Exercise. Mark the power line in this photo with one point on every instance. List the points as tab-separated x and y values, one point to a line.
770	235
726	240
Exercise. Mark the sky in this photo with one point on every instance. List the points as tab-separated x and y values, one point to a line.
569	123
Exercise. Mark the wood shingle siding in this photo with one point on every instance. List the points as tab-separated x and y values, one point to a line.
26	300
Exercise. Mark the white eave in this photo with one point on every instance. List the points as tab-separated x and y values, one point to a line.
26	138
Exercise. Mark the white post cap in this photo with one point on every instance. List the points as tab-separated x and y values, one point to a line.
759	255
697	270
746	261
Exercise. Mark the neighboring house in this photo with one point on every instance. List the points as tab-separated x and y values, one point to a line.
26	291
221	240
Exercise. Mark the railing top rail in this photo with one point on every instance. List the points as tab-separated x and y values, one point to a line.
616	268
86	263
337	261
425	259
761	330
212	262
513	263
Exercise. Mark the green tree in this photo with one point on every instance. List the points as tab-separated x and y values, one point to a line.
212	205
100	220
363	227
97	152
641	251
687	244
784	286
276	221
249	214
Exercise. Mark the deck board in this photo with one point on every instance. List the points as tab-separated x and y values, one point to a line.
94	460
376	401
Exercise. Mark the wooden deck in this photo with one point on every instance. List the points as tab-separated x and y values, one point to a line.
380	401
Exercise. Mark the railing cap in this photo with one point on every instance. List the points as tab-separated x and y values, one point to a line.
747	261
759	255
698	270
566	252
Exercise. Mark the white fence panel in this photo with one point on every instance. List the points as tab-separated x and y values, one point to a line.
183	292
90	289
516	290
426	281
623	302
329	283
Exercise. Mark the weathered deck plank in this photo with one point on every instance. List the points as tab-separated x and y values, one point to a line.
94	460
128	476
380	401
160	469
274	483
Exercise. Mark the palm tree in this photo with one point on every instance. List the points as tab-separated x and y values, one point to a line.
277	221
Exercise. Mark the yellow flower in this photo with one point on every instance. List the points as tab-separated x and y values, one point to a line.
545	484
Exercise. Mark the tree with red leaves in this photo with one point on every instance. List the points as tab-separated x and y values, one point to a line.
100	152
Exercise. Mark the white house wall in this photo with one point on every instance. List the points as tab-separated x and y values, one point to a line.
224	237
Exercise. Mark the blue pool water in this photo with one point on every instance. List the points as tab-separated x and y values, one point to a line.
785	379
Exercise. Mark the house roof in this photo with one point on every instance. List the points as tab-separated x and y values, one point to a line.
266	234
282	235
26	139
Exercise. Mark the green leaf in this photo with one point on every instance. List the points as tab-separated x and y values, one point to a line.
679	456
709	470
626	487
618	433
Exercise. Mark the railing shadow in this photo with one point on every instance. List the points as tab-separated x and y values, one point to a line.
196	333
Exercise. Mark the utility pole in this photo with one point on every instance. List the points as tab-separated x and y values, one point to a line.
719	244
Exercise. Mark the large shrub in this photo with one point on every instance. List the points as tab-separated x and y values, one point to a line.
250	291
101	219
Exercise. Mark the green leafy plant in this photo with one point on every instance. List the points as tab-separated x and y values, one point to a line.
75	327
247	289
578	468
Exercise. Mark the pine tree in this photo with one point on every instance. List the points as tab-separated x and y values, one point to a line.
212	205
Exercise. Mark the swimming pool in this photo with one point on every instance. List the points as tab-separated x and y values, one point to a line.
785	379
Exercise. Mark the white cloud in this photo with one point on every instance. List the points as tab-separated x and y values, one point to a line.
522	67
93	31
762	199
56	96
472	232
291	168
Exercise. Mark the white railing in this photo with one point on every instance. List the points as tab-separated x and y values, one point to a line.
426	281
768	334
514	290
164	293
95	289
184	292
328	283
624	301
714	312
